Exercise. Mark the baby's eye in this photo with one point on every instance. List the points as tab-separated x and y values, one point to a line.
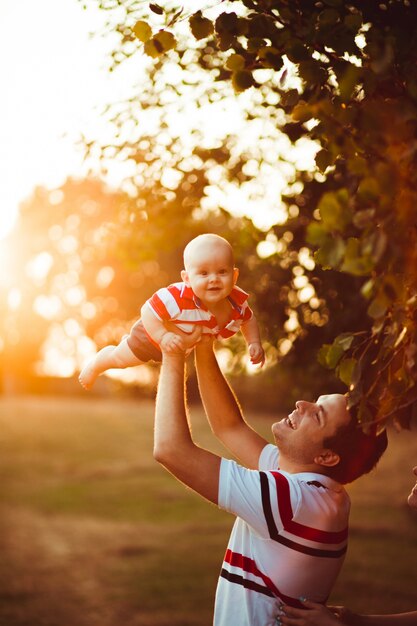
203	273
222	272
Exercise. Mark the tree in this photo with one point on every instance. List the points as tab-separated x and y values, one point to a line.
343	75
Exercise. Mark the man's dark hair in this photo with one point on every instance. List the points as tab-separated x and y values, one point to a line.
359	452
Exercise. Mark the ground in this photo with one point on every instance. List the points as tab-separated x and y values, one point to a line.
94	532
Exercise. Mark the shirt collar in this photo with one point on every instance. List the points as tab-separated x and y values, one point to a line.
188	294
237	297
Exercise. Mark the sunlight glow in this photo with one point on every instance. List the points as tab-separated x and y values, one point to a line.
14	298
37	148
47	307
38	268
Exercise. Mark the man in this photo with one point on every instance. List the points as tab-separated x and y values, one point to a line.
290	535
319	615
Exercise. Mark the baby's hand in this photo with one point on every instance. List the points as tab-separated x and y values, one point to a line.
171	342
256	353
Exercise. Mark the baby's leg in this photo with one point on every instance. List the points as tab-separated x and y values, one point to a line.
119	357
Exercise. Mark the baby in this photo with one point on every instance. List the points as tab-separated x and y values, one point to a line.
208	297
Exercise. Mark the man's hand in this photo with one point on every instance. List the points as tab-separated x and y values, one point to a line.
256	353
315	614
179	342
171	342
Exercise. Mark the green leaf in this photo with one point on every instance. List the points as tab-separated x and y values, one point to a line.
152	49
270	57
316	235
346	369
322	354
334	212
155	8
235	62
329	17
166	39
296	51
368	288
364	219
227	23
378	307
242	80
344	340
348	82
330	253
312	72
333	356
355	262
290	98
353	21
302	112
160	43
200	26
368	189
323	160
255	43
142	31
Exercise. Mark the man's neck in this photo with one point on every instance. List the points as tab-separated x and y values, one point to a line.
294	467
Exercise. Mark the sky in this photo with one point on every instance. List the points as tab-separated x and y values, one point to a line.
53	79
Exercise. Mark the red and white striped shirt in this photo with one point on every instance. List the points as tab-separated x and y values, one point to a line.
289	540
177	303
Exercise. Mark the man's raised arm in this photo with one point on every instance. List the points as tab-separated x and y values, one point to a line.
223	411
173	444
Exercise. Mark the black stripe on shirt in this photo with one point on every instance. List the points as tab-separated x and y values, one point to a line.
266	504
274	534
248	584
299	547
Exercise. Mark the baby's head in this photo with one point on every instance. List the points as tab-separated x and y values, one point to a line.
207	246
209	267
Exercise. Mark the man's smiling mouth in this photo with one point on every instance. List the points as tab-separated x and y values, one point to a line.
290	422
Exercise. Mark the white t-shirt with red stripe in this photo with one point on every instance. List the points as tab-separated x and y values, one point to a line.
177	303
288	541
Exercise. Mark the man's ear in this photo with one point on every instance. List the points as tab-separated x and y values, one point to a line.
327	458
235	275
184	277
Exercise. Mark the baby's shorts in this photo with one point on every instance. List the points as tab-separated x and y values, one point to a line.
140	344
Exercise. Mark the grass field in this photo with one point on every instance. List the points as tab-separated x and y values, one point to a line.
94	533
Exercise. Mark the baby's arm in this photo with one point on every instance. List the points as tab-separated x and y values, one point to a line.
168	340
250	330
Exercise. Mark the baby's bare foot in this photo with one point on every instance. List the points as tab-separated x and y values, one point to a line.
88	375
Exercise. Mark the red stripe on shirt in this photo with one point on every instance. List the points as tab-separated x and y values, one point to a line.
248	565
300	530
159	307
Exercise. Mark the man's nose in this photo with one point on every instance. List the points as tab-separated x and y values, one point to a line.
301	405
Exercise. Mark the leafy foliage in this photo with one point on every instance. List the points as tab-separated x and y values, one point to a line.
343	75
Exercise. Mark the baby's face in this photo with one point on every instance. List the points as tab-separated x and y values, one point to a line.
210	272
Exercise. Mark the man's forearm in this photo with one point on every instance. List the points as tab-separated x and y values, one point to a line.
223	411
173	444
170	401
219	401
400	619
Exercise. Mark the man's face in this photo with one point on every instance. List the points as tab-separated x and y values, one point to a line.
412	498
300	436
